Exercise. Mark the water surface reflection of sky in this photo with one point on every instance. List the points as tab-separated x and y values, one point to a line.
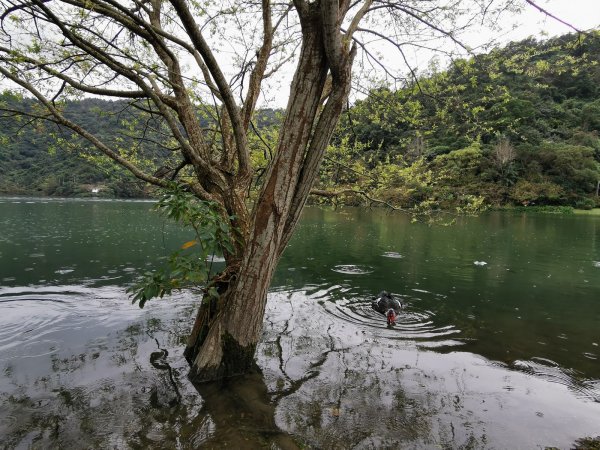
483	355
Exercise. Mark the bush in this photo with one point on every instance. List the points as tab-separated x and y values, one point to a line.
585	203
543	209
526	192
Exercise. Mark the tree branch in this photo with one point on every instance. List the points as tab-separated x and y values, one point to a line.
258	73
321	136
332	194
62	120
201	45
72	82
330	17
356	20
558	19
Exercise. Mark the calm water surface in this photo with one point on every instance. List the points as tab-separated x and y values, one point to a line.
497	346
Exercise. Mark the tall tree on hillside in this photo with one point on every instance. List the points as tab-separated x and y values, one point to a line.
167	58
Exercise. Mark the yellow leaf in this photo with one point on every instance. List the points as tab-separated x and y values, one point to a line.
189	244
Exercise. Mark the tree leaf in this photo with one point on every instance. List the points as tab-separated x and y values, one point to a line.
189	244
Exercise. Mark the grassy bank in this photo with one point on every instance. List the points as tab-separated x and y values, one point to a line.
588	212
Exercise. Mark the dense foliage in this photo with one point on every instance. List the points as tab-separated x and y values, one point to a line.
516	126
40	158
519	125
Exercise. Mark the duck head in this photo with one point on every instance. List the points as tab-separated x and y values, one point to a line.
391	317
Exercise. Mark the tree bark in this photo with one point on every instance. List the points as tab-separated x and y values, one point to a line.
224	338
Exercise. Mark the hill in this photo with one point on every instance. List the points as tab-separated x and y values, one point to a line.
41	158
519	125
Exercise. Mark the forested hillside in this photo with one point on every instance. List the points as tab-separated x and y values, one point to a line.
519	125
516	126
40	158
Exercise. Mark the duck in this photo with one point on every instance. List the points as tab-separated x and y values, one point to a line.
387	305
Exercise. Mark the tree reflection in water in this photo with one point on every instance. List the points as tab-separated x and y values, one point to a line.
325	383
342	385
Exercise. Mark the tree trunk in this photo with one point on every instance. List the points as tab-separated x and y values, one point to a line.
227	330
224	337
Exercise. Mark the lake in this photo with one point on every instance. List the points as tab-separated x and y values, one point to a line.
497	345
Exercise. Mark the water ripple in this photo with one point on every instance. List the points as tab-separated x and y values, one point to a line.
413	324
34	320
353	269
553	372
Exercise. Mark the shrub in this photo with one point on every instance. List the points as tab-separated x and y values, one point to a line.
585	203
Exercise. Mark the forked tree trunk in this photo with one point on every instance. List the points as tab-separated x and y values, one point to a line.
224	338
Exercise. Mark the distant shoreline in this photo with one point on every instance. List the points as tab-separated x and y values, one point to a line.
546	209
4	197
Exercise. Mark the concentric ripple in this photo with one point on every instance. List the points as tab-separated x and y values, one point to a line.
352	269
411	323
37	320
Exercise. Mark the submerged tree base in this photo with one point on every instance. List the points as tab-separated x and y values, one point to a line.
236	361
210	341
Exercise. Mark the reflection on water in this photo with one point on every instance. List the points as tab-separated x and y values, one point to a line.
116	378
480	358
81	372
536	296
358	387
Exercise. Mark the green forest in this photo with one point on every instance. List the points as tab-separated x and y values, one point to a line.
517	126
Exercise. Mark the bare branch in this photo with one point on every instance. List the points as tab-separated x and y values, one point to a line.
261	65
399	48
201	45
558	19
413	13
332	194
72	82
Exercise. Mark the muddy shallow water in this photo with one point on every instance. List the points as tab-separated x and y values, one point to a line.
499	355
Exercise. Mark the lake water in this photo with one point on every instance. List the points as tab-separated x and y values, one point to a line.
497	345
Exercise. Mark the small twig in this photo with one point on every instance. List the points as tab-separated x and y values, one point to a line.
262	140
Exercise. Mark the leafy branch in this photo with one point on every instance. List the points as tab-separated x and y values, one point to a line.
191	264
